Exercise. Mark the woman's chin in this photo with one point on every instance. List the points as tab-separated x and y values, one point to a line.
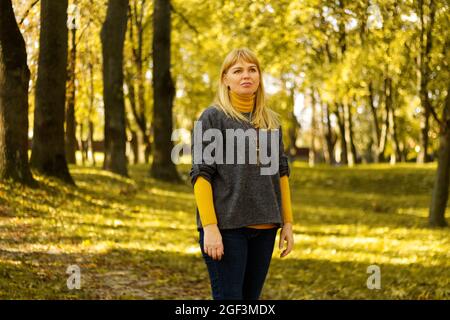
246	92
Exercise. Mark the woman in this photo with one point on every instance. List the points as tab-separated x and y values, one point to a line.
240	209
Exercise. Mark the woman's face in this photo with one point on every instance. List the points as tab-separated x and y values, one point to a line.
242	78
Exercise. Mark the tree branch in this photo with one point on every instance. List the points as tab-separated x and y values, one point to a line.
28	11
184	19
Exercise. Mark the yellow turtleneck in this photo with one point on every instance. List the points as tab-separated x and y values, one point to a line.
242	103
203	190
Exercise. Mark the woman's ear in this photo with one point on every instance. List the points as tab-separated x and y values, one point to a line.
224	79
226	83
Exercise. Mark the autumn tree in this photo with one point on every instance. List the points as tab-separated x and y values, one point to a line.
48	152
441	185
113	37
14	78
164	92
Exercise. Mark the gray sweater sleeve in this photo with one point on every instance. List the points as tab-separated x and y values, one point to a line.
206	121
284	169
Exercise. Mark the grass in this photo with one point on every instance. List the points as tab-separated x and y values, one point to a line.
136	238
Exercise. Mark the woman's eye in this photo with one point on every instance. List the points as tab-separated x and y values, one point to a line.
237	71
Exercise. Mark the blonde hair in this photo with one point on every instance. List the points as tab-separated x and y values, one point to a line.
262	117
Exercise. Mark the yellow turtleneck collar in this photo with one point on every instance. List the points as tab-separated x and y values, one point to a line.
242	103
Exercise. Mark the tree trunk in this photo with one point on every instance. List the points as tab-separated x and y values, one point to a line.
439	198
390	118
148	146
385	127
164	92
351	149
139	105
329	136
133	143
376	126
350	158
90	142
71	125
81	145
312	149
423	155
342	134
134	146
14	78
327	133
139	116
424	76
113	36
294	127
48	152
396	152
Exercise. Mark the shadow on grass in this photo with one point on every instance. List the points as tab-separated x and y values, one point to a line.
142	274
325	279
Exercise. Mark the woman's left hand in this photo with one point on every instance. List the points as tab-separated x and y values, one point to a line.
287	235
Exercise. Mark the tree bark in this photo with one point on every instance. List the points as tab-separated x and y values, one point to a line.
139	116
385	126
113	36
342	134
14	78
424	75
351	149
396	152
330	139
294	127
423	155
139	105
82	145
71	140
164	92
376	126
436	217
312	149
390	118
48	152
90	142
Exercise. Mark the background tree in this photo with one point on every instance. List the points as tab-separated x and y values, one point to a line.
48	153
89	112
14	78
441	185
426	13
164	92
70	133
113	37
137	72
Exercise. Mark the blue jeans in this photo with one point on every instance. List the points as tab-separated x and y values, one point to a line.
241	272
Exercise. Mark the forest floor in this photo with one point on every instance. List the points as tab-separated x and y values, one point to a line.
136	238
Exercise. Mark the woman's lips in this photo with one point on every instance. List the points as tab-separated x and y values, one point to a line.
246	84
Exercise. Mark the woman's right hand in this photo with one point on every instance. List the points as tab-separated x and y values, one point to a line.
212	242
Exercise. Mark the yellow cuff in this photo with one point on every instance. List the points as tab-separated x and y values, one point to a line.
286	199
205	204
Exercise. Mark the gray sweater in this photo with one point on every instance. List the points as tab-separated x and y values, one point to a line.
242	195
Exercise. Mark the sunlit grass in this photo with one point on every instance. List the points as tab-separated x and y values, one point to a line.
136	237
